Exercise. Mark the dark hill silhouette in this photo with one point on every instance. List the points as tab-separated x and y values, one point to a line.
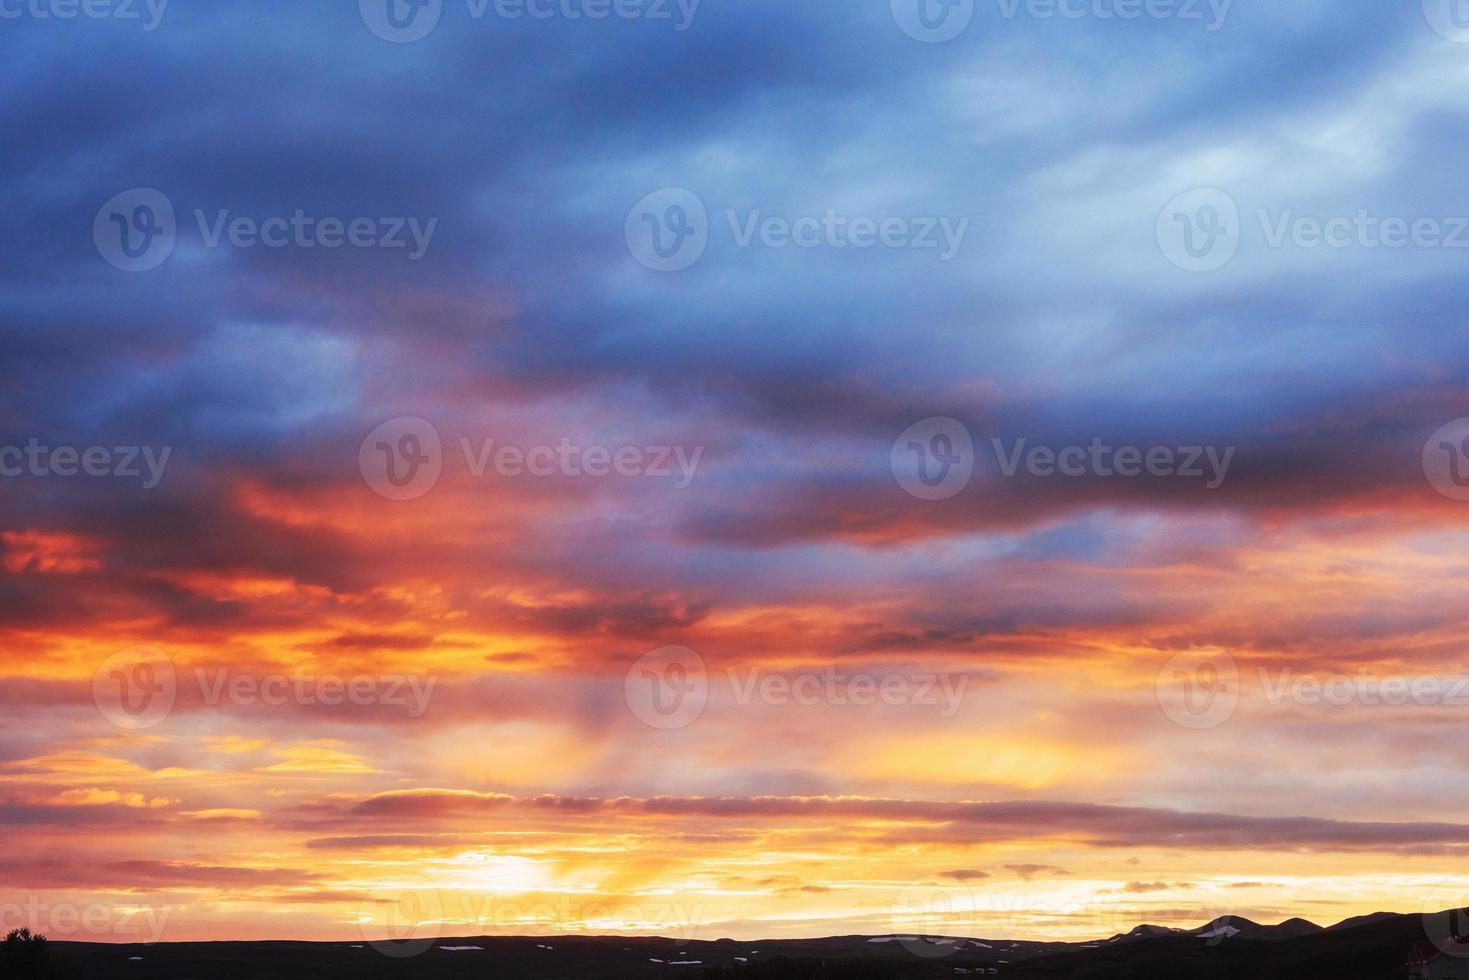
1367	948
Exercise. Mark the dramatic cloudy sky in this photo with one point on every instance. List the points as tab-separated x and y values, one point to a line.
1101	699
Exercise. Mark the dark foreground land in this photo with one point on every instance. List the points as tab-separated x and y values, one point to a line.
1375	948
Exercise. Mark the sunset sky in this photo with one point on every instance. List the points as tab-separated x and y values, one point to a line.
306	654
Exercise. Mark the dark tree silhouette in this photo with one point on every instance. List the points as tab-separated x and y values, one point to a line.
27	956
